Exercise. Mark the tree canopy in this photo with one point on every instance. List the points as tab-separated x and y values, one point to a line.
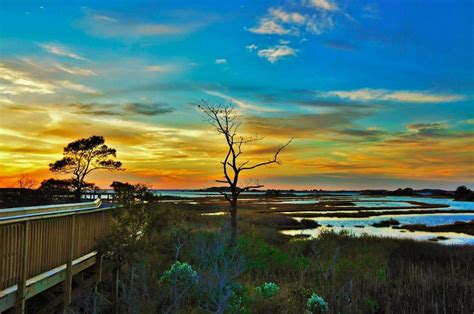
83	156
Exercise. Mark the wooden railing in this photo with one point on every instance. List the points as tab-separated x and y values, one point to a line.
38	239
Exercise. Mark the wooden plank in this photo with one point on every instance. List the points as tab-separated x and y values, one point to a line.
70	257
22	275
44	281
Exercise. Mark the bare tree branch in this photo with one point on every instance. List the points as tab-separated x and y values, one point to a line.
271	161
226	122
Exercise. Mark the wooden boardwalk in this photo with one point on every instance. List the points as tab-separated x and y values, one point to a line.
43	246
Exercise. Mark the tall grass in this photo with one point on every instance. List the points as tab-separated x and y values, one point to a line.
352	274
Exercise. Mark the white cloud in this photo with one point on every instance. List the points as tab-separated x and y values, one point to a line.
243	105
221	61
164	68
370	11
273	22
319	24
324	5
77	87
276	53
18	82
103	18
268	27
75	70
60	51
367	94
5	100
286	17
102	25
280	22
251	47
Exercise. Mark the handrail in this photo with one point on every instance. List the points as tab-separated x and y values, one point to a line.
34	240
25	213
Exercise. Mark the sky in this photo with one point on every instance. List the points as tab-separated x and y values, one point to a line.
375	94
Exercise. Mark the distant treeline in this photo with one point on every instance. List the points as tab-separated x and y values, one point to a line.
51	191
464	194
410	192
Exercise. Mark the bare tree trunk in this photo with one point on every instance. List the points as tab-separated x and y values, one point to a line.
233	223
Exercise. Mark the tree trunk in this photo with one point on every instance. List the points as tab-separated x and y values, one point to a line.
233	223
77	193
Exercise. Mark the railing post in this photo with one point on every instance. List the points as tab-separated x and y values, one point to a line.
23	274
70	257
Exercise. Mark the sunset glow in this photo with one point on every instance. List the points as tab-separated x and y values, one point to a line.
375	94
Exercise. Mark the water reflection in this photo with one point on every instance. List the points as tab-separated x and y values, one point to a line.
452	237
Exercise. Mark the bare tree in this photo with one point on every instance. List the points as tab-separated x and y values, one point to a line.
26	182
226	122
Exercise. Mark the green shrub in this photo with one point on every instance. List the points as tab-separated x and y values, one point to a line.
180	273
268	289
316	304
261	257
372	304
240	302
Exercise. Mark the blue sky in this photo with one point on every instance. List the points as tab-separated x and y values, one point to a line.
375	93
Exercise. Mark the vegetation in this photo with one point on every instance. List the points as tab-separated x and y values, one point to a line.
183	264
462	193
83	156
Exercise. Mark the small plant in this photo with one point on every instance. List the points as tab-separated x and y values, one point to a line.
268	289
240	301
382	275
372	304
181	273
316	304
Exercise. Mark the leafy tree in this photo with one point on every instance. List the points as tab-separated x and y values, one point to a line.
127	239
53	189
83	156
227	123
128	195
462	193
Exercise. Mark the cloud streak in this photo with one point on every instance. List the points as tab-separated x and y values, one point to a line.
75	70
14	82
243	105
324	5
103	25
61	50
402	96
17	82
221	61
78	87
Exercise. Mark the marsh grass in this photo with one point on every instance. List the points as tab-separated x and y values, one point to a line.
352	274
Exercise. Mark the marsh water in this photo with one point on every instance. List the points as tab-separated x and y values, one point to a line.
354	202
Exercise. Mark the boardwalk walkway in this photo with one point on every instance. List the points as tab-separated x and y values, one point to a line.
45	246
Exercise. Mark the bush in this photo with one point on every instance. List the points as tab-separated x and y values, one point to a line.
316	304
262	258
181	273
268	289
